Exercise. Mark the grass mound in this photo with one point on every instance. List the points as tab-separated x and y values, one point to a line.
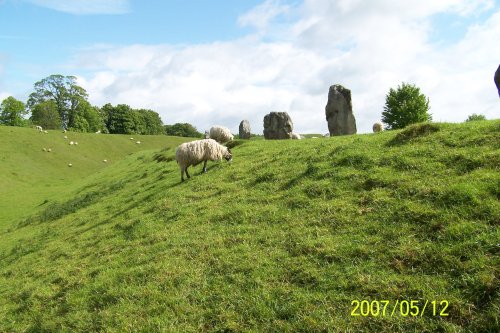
282	239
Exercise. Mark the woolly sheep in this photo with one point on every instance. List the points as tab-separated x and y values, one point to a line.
296	136
195	152
49	150
44	149
45	132
76	143
105	161
98	132
39	128
71	143
70	165
138	142
220	134
378	127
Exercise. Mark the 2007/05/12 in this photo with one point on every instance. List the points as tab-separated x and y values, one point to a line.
406	308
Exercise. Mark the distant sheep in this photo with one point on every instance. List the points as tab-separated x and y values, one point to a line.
65	137
220	134
195	152
44	149
296	136
138	142
98	132
49	150
378	127
70	165
76	143
45	132
131	138
71	143
105	161
39	128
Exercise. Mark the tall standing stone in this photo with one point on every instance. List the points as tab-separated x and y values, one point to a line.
244	129
278	125
338	111
497	80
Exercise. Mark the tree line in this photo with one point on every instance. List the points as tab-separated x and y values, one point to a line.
57	102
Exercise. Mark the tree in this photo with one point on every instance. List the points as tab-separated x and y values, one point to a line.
404	106
120	119
65	93
45	114
12	112
152	122
475	117
182	129
87	118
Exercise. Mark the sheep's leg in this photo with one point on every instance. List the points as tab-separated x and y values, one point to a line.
205	167
187	174
182	174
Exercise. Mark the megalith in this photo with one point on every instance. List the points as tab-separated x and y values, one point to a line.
338	111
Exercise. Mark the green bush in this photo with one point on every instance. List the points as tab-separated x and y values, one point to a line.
475	117
405	106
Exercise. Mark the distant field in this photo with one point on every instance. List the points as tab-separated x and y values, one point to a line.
30	176
282	239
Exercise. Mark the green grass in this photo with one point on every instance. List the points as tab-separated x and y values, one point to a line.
280	240
31	177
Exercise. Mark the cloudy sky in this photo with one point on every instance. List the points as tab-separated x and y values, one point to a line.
218	62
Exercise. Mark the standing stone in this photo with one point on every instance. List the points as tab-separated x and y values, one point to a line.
338	111
244	129
278	125
497	80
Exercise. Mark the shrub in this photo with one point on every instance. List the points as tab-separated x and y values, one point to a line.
405	106
475	117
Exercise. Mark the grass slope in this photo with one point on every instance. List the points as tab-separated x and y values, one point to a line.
32	177
282	239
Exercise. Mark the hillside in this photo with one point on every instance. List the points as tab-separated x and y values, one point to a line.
32	177
282	239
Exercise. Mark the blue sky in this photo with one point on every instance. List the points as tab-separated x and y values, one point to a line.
209	62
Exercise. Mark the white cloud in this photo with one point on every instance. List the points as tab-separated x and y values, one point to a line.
86	7
368	47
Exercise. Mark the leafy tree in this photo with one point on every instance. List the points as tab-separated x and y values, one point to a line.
65	93
152	122
121	119
182	129
12	112
45	114
475	117
87	118
404	106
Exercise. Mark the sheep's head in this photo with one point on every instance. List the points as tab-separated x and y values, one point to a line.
228	156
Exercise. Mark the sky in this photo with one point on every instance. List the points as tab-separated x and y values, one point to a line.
219	62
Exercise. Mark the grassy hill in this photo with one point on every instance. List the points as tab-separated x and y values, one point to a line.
283	239
31	177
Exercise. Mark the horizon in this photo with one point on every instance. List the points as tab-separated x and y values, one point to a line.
219	63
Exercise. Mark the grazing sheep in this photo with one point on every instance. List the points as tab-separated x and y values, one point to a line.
220	134
39	128
76	143
138	142
131	138
70	165
195	152
98	132
71	143
44	149
378	127
49	150
296	136
65	137
105	161
45	132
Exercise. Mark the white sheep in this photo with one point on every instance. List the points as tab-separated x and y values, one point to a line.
98	132
44	149
65	137
71	143
76	143
39	128
131	138
45	132
105	161
220	134
195	152
138	142
296	136
378	127
49	150
70	165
